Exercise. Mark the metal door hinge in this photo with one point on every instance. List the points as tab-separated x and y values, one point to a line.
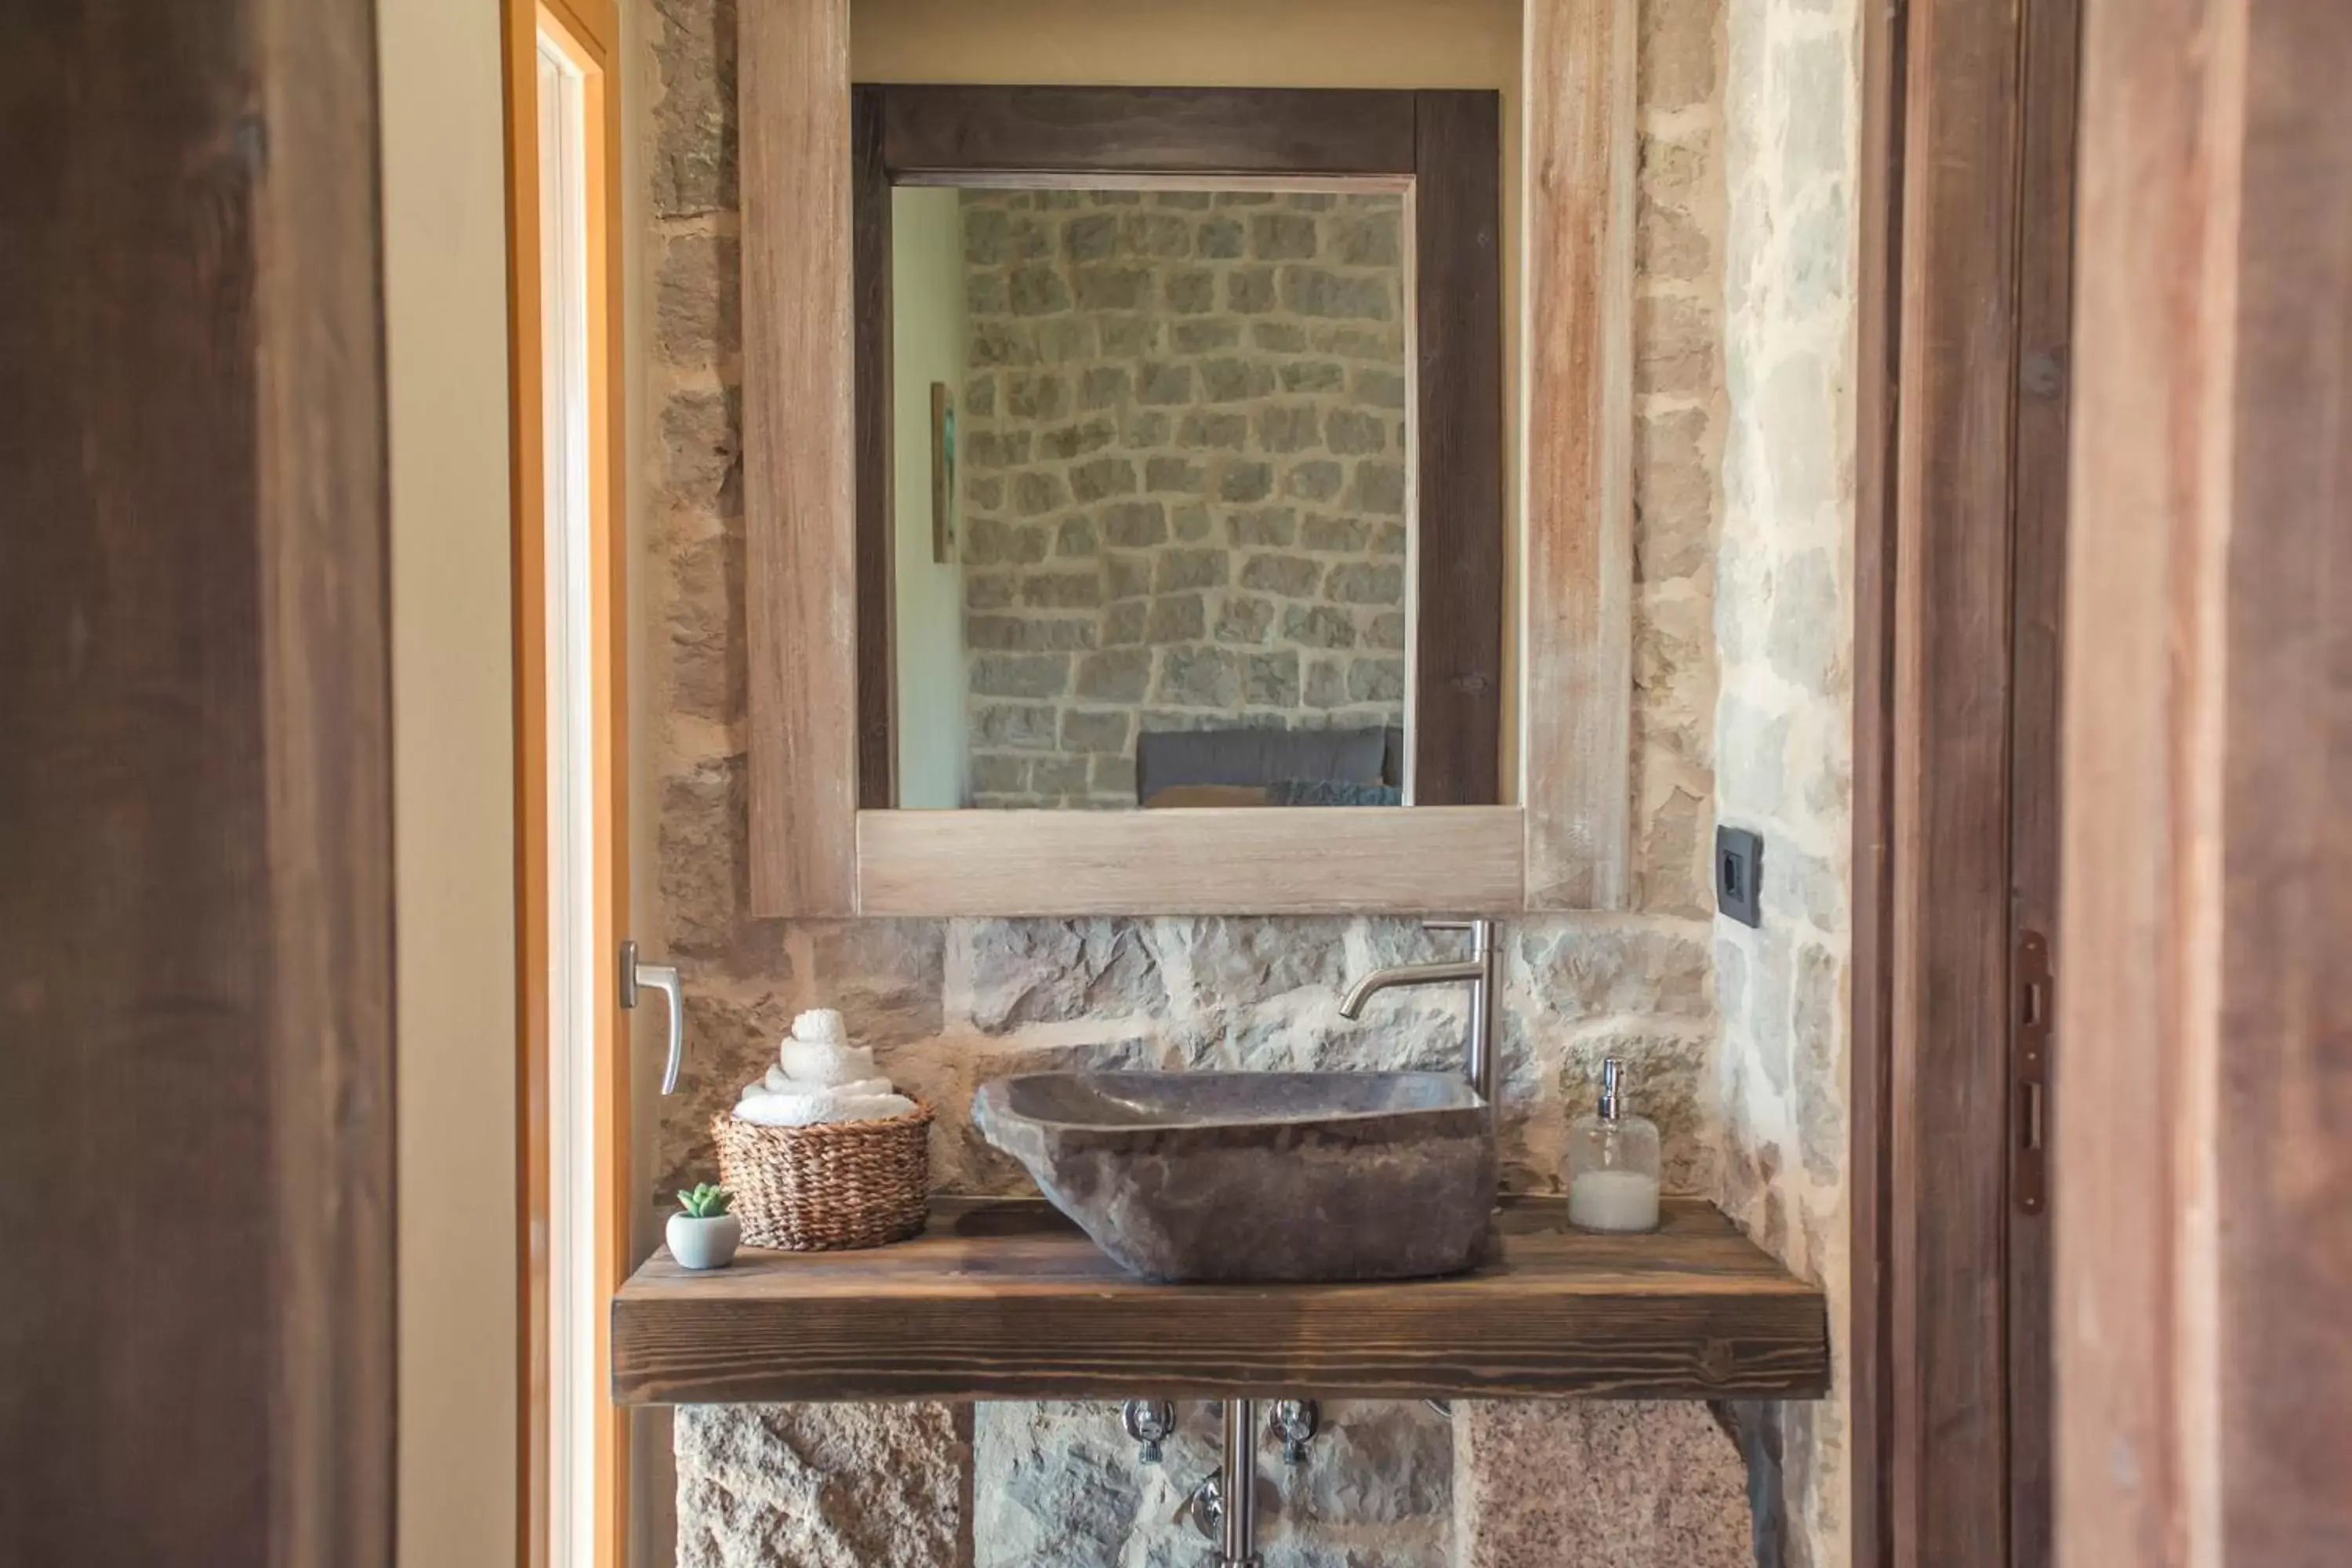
2037	1001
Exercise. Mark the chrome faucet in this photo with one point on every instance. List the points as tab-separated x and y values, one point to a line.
1479	968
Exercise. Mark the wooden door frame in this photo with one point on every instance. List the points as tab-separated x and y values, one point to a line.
589	32
1966	197
2204	1370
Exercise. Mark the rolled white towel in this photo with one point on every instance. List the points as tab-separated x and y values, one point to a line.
822	1108
775	1082
821	1026
811	1063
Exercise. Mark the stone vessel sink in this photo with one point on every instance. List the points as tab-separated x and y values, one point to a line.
1257	1177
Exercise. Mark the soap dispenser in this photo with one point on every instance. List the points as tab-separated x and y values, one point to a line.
1612	1163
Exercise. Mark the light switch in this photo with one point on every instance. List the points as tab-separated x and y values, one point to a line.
1739	874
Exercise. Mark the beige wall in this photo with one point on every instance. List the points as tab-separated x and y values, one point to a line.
453	721
927	342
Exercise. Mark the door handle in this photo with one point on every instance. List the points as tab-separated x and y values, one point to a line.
661	977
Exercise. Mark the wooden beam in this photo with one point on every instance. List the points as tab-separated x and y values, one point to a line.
799	455
1949	789
942	130
196	1084
1004	1299
1456	725
2206	1007
1576	668
1257	860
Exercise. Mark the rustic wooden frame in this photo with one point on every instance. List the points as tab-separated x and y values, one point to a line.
1576	668
1967	163
1447	144
808	838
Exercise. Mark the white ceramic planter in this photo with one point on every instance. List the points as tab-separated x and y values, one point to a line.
704	1243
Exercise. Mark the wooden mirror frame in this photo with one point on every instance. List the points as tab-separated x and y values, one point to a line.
1441	150
813	852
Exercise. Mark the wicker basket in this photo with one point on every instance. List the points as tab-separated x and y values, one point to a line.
824	1189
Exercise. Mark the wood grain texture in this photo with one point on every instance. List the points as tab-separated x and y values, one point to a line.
1576	701
1878	333
196	870
1951	917
1459	615
1003	1298
1263	860
2037	647
799	454
876	416
2206	1007
944	130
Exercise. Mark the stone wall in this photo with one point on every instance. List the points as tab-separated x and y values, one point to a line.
1784	721
951	1003
1184	447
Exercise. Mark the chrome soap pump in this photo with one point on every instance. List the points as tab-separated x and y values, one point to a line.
1612	1163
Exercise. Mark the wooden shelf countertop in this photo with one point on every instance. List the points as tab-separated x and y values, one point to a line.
1004	1299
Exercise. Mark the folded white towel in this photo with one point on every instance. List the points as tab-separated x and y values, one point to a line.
811	1063
821	1026
820	1108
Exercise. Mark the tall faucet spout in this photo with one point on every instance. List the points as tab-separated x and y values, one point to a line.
1481	969
1351	1006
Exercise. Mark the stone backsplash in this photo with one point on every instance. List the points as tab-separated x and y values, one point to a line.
951	1002
1185	456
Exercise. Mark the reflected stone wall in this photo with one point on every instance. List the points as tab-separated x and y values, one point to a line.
1185	457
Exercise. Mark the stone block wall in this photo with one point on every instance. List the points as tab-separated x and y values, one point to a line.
951	1002
1784	719
1185	452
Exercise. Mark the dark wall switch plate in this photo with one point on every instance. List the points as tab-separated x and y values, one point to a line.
1739	874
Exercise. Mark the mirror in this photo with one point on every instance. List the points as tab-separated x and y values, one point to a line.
1165	523
1161	442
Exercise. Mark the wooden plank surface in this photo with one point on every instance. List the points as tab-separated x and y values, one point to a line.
1950	1015
1870	1351
1246	861
1457	336
197	1116
2205	1007
878	523
799	458
940	130
1003	1298
1577	680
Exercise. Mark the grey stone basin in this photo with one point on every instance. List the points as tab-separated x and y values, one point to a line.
1258	1175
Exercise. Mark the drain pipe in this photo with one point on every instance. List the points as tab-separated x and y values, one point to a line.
1239	1526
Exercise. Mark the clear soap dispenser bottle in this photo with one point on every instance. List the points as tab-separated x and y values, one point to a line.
1612	1163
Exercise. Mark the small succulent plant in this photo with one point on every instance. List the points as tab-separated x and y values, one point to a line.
707	1201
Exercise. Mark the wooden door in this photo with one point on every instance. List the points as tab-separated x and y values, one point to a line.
2205	1252
196	1336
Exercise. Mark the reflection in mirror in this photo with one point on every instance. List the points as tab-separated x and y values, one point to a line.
1153	501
